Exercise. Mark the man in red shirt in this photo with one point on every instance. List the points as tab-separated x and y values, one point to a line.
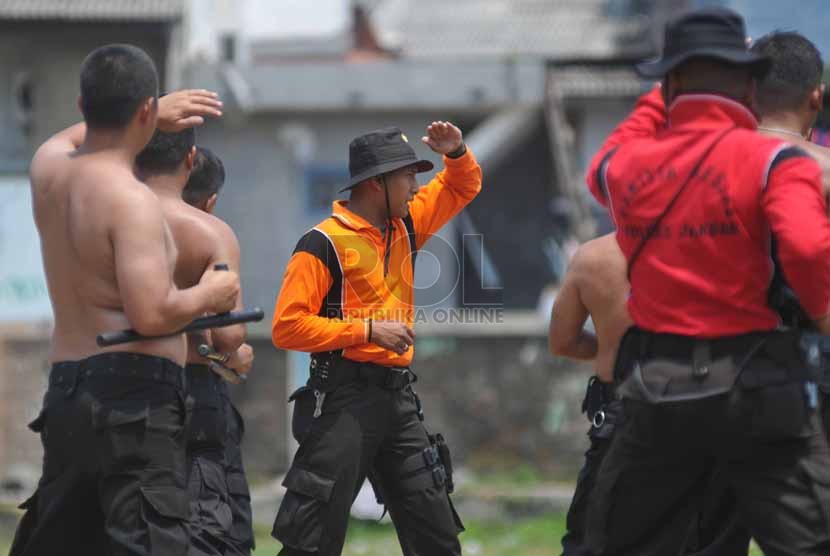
708	381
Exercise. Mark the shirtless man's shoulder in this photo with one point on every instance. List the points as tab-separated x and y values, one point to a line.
598	259
595	285
201	236
203	240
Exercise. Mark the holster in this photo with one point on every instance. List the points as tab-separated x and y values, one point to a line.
602	407
430	467
323	375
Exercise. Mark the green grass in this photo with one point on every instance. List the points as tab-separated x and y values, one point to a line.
531	537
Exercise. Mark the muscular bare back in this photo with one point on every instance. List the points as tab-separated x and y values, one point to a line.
203	240
595	285
80	204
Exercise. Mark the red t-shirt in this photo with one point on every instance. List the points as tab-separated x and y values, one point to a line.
706	269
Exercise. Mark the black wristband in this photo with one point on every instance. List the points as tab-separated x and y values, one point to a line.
459	152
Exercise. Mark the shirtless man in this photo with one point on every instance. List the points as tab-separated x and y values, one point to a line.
790	97
203	240
114	468
596	285
206	181
202	191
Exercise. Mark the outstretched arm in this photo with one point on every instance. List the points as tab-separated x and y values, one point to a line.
177	111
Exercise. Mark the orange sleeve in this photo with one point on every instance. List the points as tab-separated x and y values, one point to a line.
442	198
297	325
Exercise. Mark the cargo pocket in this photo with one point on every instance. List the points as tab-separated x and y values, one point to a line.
164	513
125	427
459	525
207	429
38	426
303	414
210	495
242	532
238	427
28	523
300	523
779	412
817	476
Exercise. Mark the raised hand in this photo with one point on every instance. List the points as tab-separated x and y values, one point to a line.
187	108
443	137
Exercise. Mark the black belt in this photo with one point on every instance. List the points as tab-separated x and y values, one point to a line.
773	357
653	344
121	364
200	376
388	378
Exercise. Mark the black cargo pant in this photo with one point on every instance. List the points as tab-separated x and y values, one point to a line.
364	428
714	532
114	472
220	518
764	437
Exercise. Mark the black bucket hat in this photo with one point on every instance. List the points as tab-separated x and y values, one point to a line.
380	151
706	33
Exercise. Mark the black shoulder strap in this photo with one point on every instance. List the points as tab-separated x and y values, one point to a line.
652	229
410	230
320	245
782	156
782	299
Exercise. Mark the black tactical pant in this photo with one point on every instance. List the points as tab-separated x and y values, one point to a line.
714	532
364	428
114	471
220	518
239	495
763	440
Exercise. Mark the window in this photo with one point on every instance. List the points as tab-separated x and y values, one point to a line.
322	182
228	47
16	110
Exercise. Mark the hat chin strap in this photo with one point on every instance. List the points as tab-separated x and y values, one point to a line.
388	227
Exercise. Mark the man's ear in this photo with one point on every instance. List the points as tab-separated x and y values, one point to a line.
816	98
190	159
147	112
672	83
210	204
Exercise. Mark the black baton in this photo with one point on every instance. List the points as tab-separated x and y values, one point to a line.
203	323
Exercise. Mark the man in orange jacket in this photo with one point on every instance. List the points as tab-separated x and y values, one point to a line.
347	297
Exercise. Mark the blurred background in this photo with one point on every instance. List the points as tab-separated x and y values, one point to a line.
534	84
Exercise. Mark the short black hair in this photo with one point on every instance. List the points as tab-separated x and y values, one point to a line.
165	152
115	80
206	178
795	71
